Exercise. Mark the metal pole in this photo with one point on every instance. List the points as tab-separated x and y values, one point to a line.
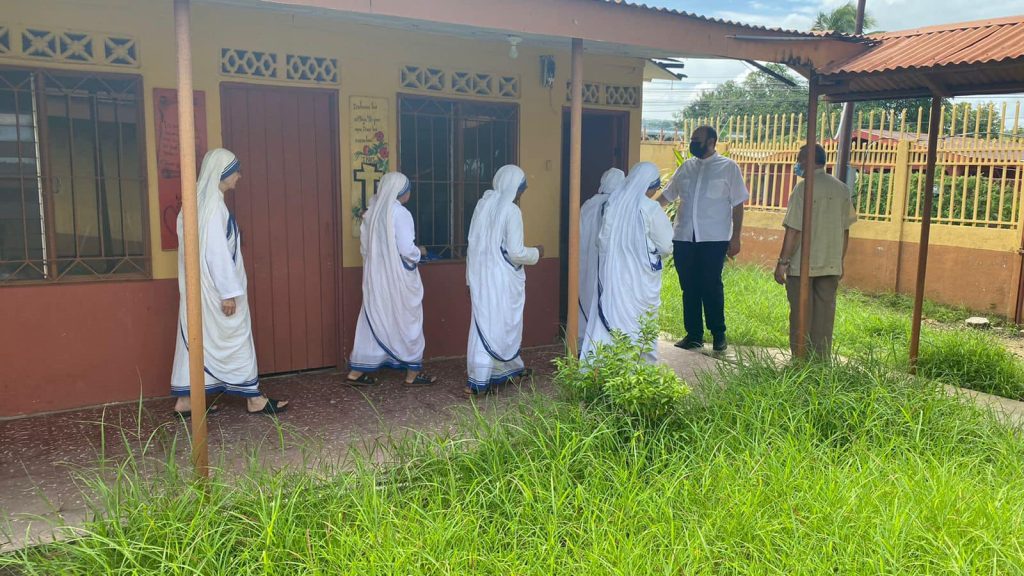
805	236
846	121
934	126
575	159
190	216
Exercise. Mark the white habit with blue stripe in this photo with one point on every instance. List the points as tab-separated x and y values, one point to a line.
389	331
228	349
497	282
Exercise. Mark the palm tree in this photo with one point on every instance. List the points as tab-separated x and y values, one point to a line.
842	19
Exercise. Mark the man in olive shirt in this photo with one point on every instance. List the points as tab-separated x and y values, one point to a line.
832	214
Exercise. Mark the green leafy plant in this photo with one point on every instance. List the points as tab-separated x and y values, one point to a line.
617	375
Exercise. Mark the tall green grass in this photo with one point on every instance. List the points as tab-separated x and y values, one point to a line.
868	328
807	470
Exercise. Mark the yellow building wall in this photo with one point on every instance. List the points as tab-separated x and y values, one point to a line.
370	60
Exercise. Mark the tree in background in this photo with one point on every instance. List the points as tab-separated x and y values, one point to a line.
842	19
757	93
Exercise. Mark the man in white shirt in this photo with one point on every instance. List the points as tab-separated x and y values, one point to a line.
708	225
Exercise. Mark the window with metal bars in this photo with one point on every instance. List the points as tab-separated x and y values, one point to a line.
450	150
72	177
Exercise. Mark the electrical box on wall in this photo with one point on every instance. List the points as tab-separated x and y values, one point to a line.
547	71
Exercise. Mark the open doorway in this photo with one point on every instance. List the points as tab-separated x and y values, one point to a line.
605	145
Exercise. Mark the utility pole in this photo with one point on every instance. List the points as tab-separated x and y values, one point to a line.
846	122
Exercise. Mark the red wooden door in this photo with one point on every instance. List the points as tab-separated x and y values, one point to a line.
286	208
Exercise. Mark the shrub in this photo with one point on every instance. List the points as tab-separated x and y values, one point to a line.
618	375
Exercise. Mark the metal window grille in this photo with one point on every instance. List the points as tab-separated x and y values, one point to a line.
72	177
450	149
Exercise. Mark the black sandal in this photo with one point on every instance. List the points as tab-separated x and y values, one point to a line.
526	373
272	407
363	380
186	414
422	379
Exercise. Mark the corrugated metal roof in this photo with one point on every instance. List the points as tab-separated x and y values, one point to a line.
969	43
795	33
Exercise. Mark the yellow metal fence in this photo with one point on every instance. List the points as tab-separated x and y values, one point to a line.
979	173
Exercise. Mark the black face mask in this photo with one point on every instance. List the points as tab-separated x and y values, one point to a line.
698	149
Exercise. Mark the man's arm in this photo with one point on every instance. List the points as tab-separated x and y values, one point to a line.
738	195
737	230
789	246
671	193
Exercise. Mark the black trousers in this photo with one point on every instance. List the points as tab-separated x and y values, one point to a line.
699	266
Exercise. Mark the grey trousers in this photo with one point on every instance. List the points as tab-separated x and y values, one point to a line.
823	313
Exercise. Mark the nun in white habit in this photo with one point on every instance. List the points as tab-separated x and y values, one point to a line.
497	283
389	332
229	353
634	237
591	215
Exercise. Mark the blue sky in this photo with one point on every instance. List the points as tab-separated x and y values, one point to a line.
661	99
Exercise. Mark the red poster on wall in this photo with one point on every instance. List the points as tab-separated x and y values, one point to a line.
168	164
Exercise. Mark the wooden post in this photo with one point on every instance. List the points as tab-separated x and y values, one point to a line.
934	126
803	325
194	311
575	159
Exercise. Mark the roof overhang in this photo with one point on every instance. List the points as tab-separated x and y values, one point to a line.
606	27
658	70
963	59
944	82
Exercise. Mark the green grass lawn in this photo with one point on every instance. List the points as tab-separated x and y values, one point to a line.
849	469
869	328
811	470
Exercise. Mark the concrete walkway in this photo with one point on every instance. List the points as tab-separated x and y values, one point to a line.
43	458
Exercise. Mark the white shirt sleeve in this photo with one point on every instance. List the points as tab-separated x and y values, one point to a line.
738	193
518	253
659	227
405	234
218	257
673	191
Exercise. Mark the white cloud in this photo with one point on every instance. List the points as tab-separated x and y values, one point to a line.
793	21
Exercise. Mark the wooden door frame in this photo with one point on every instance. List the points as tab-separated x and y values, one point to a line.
334	95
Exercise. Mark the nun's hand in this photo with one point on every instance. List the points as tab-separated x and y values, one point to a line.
228	306
540	251
423	251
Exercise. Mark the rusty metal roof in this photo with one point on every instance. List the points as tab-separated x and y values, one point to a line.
982	57
759	28
969	43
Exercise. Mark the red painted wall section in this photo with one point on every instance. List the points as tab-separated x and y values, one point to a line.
76	345
446	308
